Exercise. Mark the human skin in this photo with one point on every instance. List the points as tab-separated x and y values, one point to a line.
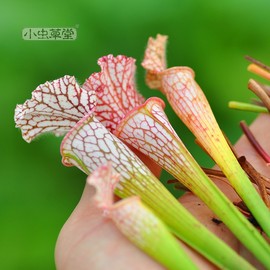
90	241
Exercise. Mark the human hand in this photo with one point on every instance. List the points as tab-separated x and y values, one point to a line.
90	241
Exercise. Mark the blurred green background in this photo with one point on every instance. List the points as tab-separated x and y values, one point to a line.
37	193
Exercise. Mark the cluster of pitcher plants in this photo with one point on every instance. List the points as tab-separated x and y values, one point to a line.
122	141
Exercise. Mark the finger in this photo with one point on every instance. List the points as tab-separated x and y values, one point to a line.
86	232
261	129
90	241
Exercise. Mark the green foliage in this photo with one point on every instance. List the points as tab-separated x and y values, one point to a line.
37	193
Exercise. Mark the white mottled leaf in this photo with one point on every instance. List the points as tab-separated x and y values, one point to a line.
54	107
115	89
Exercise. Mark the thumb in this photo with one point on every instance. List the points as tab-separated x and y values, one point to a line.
88	240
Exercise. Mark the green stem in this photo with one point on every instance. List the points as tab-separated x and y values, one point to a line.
188	229
247	107
198	182
246	191
254	142
234	220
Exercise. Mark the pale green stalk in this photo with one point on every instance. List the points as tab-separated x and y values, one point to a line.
148	130
242	106
192	107
89	143
190	104
137	222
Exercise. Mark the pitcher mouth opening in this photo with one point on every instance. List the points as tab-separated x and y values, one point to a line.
173	70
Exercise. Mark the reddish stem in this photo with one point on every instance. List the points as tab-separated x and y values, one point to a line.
254	142
172	181
258	63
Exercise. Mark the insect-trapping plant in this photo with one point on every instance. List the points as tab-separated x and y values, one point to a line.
122	141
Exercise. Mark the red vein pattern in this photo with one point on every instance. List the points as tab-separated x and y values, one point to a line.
89	144
183	94
54	107
115	89
190	104
188	101
149	130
